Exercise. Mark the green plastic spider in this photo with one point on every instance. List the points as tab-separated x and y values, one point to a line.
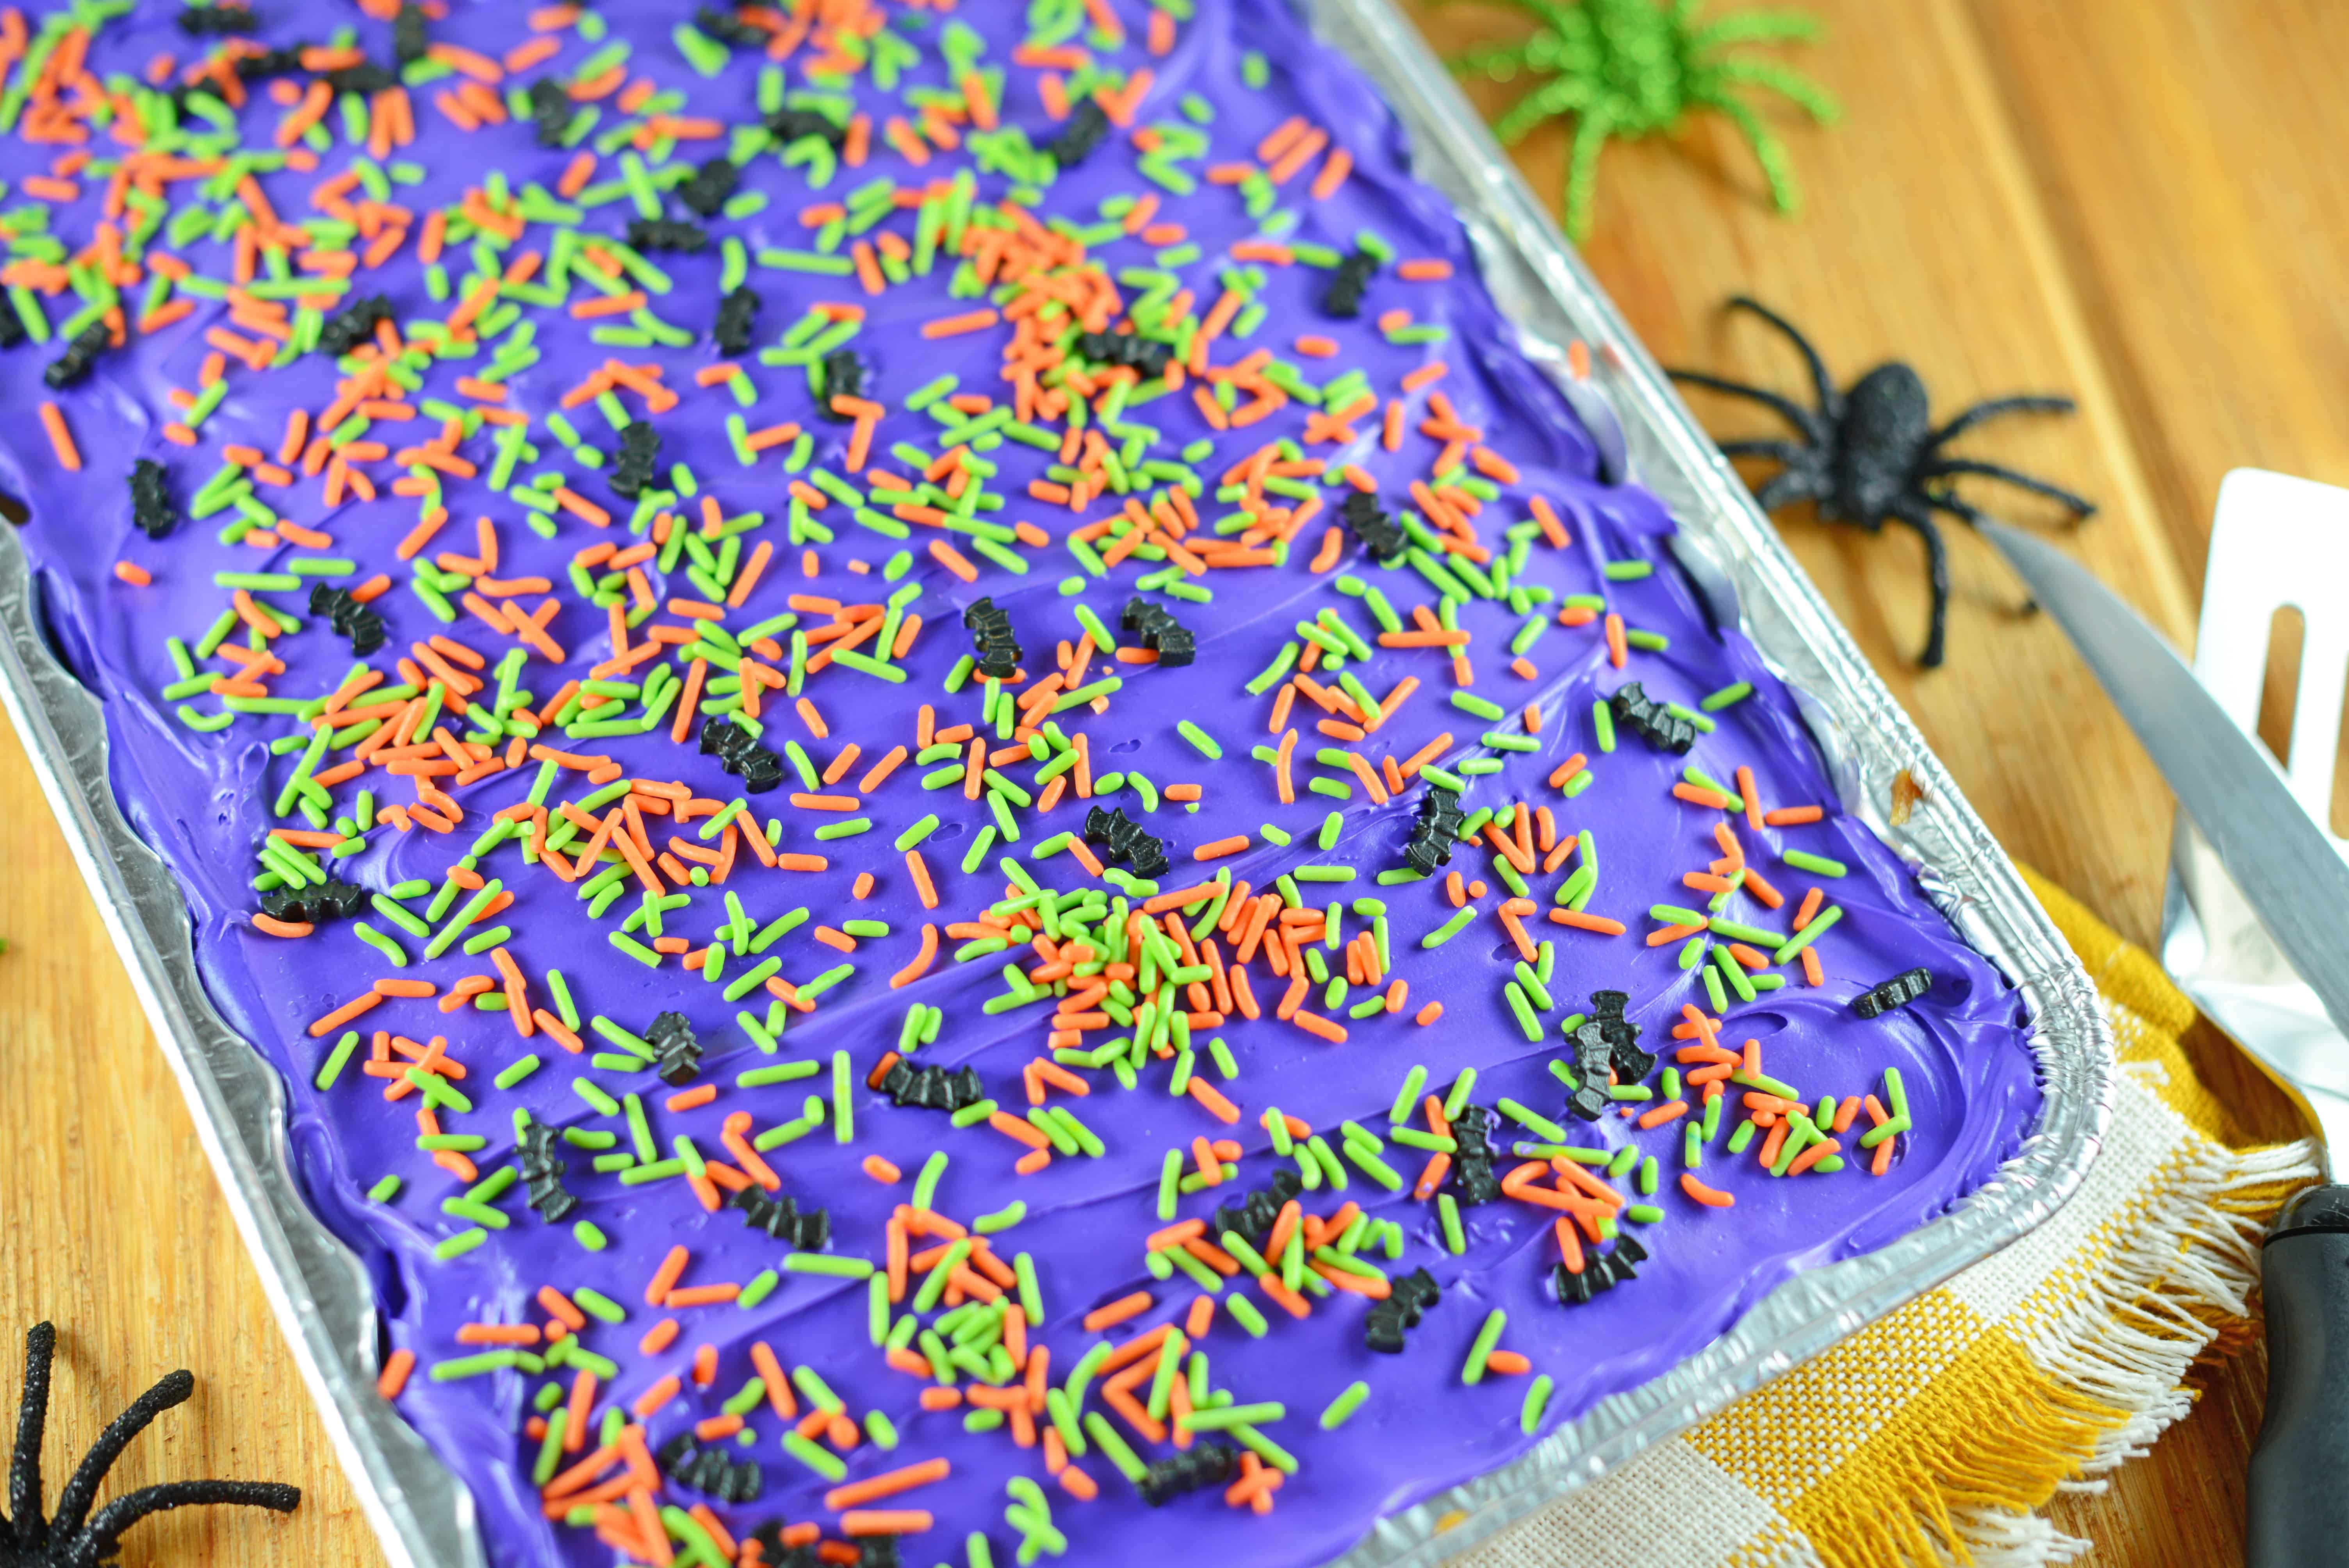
1633	67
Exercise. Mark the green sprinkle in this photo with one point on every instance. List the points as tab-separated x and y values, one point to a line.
1737	692
822	1461
1818	865
1809	934
1225	1417
1469	702
925	1186
1529	1414
1003	1219
1487	1338
336	1059
1461	1087
1450	928
1343	1407
463	1241
458	1366
1112	1444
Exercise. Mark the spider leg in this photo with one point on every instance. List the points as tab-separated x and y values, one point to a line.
1591	133
105	1530
1791	483
81	1491
1554	97
2030	403
1972	515
1768	151
1937	568
1787	452
24	1463
2081	505
1794	413
1498	64
1812	97
1542	11
1821	385
1753	26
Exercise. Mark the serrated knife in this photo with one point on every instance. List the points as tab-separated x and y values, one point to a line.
2289	873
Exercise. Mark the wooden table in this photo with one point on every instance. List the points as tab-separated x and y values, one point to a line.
2125	199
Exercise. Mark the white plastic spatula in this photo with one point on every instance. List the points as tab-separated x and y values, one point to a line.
2277	541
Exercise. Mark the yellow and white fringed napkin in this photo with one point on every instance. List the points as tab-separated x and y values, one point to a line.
1936	1434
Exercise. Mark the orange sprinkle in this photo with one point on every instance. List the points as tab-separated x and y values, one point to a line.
658	1395
956	326
1711	1197
859	1522
1212	1098
672	1269
1117	1312
61	441
1813	1154
928	953
889	1483
1340	164
1320	1027
396	1369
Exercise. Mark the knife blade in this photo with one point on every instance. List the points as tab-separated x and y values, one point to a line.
2283	863
2297	883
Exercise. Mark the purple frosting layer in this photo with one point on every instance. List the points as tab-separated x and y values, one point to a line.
203	801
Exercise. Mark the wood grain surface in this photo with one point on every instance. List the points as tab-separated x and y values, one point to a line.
2128	201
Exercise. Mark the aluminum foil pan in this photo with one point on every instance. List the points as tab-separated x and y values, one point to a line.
424	1518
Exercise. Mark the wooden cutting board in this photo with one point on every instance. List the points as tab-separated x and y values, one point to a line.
2124	199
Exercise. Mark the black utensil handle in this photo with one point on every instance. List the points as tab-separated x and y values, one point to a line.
2297	1493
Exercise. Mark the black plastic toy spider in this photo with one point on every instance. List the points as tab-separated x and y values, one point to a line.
1872	454
77	1538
